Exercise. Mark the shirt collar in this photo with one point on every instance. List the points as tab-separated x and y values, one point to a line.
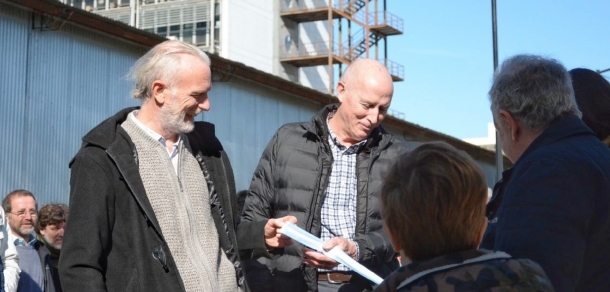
20	242
150	132
334	139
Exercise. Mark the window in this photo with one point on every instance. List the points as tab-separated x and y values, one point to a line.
174	30
201	33
162	30
187	32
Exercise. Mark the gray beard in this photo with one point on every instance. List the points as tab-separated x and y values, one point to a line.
50	242
25	232
175	124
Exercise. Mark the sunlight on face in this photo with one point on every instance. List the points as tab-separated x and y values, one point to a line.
189	96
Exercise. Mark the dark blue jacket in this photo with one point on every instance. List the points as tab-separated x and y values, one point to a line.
553	207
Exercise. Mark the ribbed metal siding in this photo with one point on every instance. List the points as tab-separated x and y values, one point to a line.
60	85
65	82
488	169
246	116
13	42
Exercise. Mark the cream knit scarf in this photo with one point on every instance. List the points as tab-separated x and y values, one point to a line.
182	208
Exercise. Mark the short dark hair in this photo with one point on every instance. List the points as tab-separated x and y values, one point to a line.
51	214
7	201
592	92
433	201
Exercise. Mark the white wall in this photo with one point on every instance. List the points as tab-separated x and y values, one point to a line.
247	32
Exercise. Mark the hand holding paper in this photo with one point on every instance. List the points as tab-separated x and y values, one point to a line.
336	253
273	239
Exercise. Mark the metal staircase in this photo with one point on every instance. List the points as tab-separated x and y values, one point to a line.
374	27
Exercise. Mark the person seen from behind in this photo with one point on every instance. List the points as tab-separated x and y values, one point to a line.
433	208
553	204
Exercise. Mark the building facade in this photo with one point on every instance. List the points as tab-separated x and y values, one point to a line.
64	72
309	42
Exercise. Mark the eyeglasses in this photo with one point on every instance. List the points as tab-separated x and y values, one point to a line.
22	213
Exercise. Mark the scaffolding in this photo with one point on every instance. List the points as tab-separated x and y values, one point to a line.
342	48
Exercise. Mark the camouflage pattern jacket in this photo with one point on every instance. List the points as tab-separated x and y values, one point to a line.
471	270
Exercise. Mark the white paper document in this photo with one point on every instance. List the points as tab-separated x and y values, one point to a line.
336	253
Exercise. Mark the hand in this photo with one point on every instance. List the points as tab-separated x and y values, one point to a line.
273	239
318	260
348	246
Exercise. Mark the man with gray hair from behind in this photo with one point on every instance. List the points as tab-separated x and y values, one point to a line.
152	193
553	205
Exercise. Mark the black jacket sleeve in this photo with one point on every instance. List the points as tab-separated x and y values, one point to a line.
87	236
257	208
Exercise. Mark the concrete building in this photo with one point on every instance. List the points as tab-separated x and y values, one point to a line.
63	73
306	41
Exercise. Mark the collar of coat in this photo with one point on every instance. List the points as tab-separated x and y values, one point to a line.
319	127
559	129
104	134
416	270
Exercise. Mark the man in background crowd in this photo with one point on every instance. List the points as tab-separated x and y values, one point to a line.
9	278
21	211
50	228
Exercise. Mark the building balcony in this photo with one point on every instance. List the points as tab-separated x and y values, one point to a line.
396	70
385	23
315	10
313	54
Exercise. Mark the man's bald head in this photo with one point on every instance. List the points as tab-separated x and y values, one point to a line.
365	92
367	70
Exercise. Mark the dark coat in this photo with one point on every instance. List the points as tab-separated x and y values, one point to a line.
471	270
50	268
291	179
113	241
553	207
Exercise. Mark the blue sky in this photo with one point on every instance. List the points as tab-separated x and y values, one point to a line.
446	51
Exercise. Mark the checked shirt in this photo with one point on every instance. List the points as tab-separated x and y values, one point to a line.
339	206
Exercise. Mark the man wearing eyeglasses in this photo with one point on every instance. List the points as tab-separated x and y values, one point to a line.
21	208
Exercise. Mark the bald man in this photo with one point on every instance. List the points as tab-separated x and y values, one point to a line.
324	175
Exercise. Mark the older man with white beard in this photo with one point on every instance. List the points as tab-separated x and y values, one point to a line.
152	194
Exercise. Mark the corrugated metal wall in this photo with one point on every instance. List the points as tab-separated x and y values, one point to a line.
57	85
246	116
488	169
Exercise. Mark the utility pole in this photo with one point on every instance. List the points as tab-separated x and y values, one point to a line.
494	28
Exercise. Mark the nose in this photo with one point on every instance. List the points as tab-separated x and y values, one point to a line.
373	116
204	105
60	232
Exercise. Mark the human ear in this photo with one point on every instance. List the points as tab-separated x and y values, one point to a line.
341	91
512	124
158	91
